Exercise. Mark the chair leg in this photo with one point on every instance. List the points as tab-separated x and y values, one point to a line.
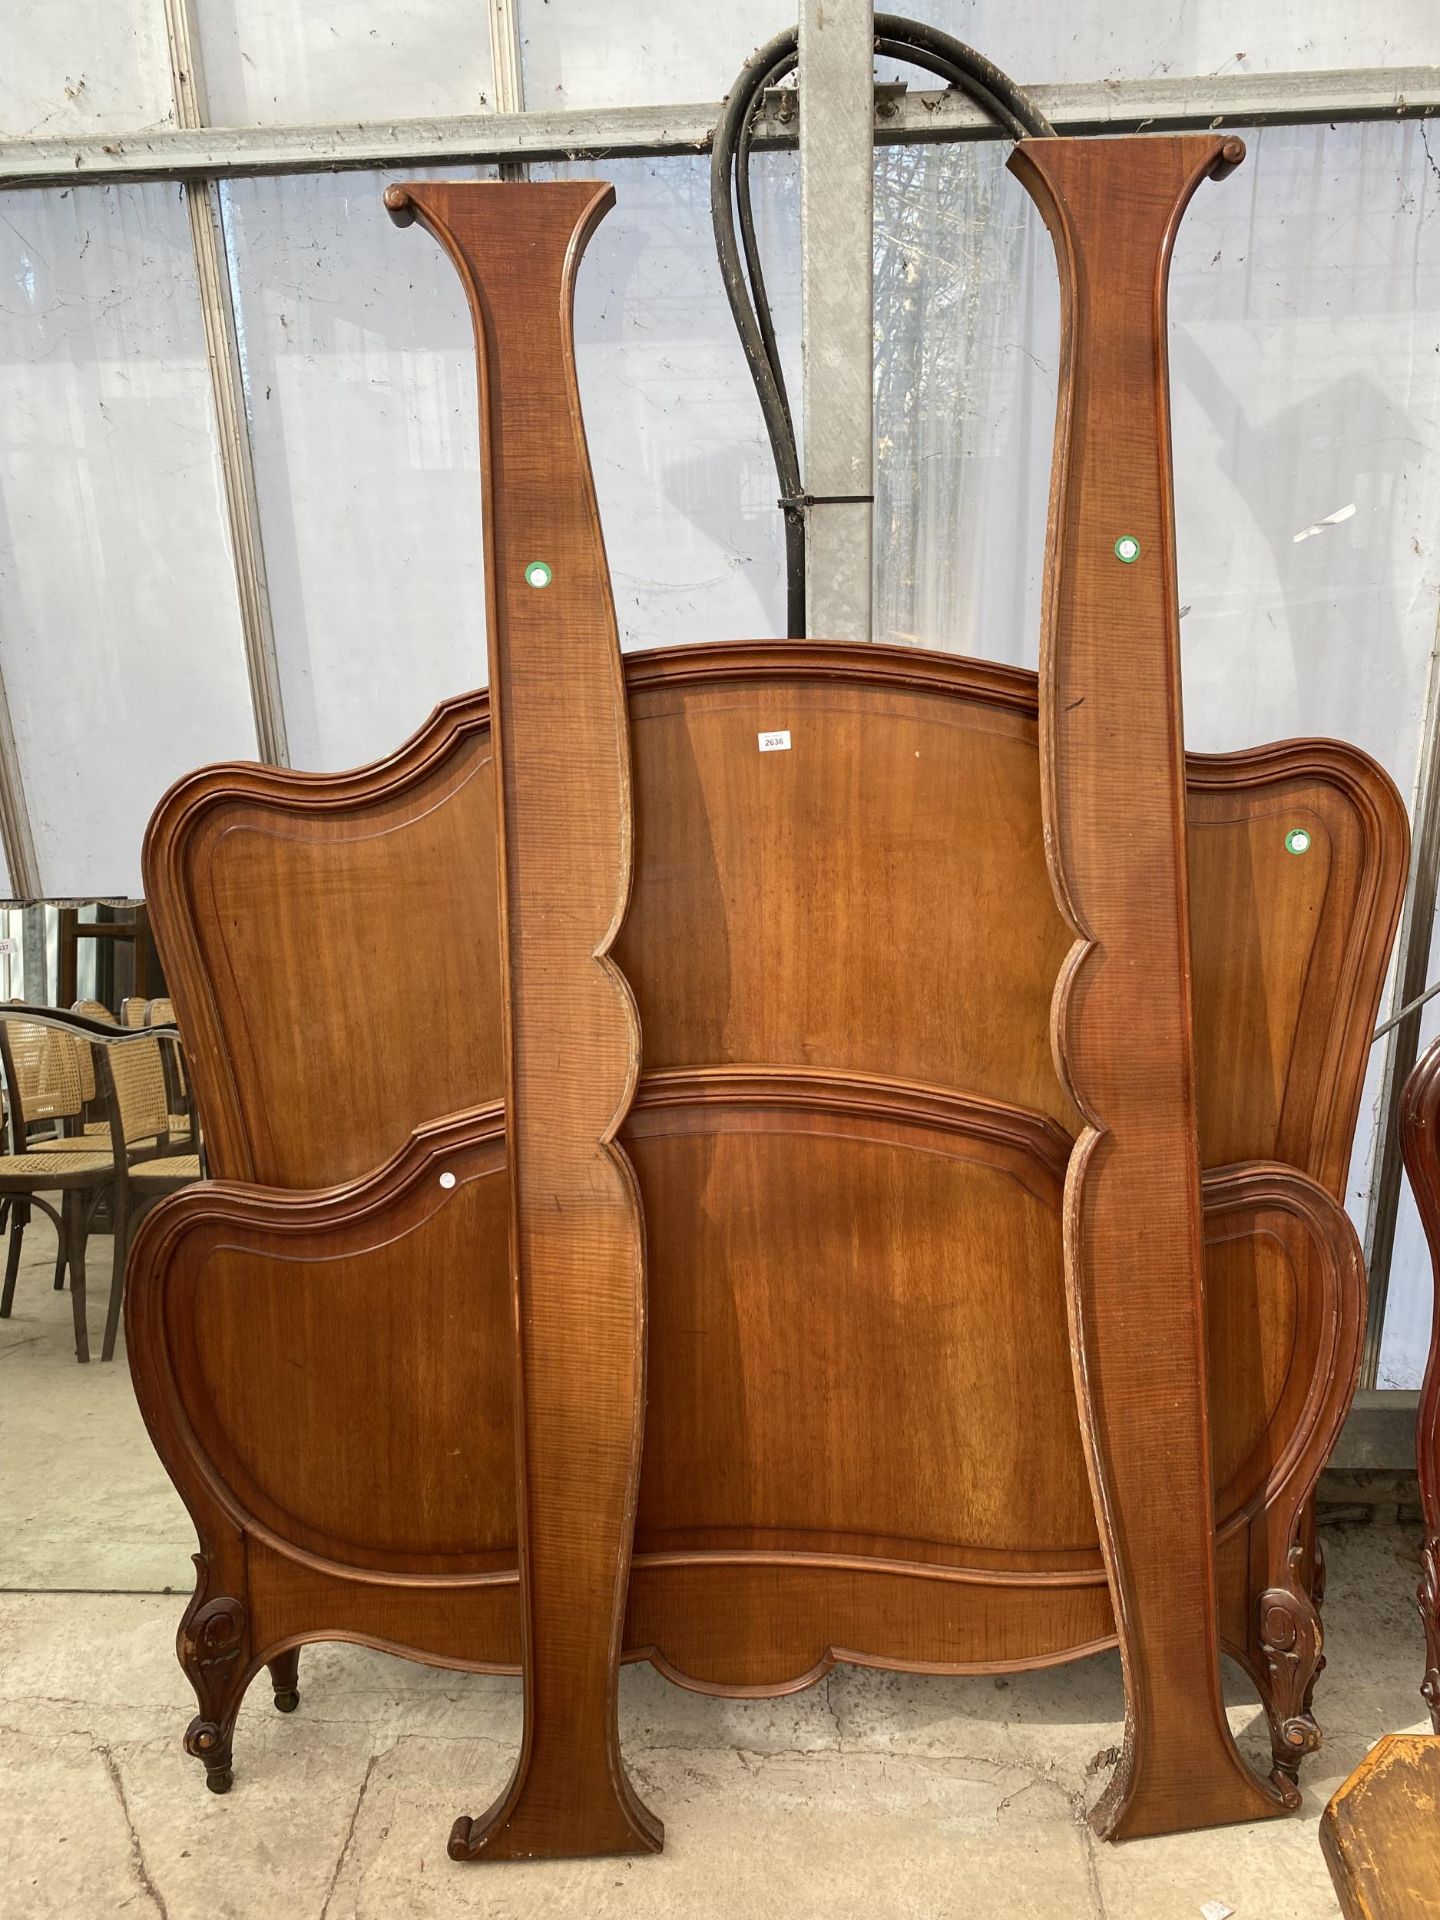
67	1201
75	1252
117	1280
20	1215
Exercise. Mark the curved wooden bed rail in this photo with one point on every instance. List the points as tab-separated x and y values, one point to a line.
1420	1142
562	762
1112	781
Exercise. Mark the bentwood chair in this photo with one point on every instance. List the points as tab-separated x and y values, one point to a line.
131	1082
143	1098
43	1081
145	1101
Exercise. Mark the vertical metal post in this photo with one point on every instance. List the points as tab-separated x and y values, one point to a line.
507	66
1403	1044
837	118
35	971
505	56
217	306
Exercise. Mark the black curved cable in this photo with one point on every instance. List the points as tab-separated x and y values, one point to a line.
732	213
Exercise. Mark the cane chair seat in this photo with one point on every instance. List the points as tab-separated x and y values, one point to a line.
35	1168
173	1169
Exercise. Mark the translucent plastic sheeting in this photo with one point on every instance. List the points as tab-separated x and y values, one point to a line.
578	54
359	368
275	63
1305	373
1078	40
72	67
966	364
683	471
119	632
359	371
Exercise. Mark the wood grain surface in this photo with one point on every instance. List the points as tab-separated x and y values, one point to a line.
572	1039
753	909
1112	780
1380	1834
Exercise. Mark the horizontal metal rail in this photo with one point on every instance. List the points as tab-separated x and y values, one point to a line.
1117	106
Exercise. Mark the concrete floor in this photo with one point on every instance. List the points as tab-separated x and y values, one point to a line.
873	1795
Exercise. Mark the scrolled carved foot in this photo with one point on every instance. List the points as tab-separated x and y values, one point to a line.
212	1650
1289	1637
207	1742
1290	1743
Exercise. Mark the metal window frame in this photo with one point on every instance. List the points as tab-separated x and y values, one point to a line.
202	156
227	390
1118	106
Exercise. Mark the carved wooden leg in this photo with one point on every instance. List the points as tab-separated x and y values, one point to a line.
213	1648
285	1679
1290	1639
1428	1596
12	1257
1317	1596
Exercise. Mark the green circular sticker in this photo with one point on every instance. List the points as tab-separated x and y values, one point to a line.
538	574
1297	840
1127	548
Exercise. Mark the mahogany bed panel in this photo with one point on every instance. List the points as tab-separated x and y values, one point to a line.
732	879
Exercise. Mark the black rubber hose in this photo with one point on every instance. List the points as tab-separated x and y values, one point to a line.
961	67
761	70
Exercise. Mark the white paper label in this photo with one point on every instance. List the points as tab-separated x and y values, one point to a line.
775	742
1216	1910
